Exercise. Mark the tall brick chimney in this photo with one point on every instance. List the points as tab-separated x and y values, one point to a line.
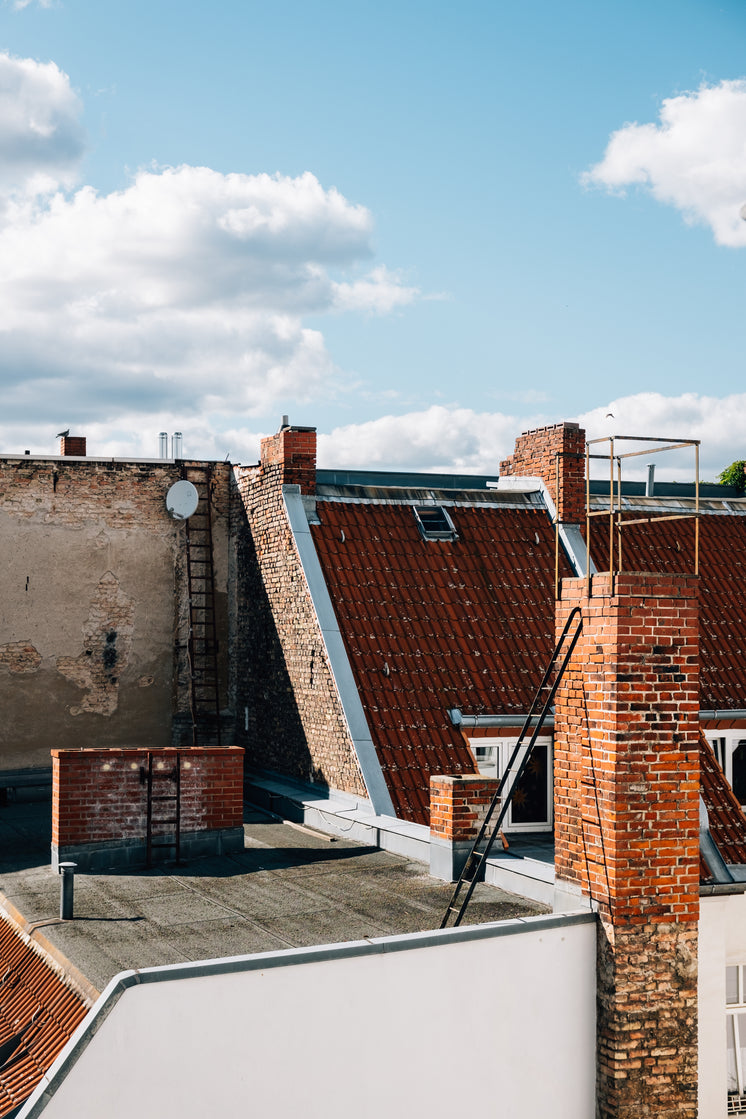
291	453
626	781
73	445
540	452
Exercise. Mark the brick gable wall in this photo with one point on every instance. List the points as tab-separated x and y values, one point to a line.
289	716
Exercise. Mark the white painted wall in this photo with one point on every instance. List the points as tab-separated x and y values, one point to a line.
490	1020
722	941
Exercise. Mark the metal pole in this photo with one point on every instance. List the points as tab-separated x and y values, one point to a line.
67	885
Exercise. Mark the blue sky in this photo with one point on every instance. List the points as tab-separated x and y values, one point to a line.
391	236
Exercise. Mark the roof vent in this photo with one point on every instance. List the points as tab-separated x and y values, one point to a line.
434	522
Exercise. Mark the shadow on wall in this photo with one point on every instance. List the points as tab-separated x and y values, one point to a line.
268	720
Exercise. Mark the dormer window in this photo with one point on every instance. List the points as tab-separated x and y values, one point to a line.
434	522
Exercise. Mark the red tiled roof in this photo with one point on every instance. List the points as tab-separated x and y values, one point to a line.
726	817
434	624
33	999
669	546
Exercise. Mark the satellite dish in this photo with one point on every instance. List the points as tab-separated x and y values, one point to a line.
182	500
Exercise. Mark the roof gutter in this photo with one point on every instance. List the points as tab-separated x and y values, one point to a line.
458	719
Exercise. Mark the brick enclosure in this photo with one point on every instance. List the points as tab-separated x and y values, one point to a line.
537	454
627	827
458	805
288	713
99	802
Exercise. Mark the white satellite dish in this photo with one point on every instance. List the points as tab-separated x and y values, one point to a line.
182	500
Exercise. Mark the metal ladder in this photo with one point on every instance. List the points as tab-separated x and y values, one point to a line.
155	838
202	646
538	711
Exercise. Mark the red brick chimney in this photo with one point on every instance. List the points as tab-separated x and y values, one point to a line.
73	445
544	451
292	454
626	781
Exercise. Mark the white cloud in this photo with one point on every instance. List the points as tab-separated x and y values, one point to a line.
694	159
41	138
718	422
461	440
437	438
381	291
185	291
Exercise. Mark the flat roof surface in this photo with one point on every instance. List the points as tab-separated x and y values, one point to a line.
288	888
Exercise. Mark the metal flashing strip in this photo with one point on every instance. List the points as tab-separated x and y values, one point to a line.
708	848
339	663
263	961
415	497
570	535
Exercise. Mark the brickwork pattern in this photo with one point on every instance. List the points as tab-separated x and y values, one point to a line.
115	494
627	827
73	445
98	795
458	805
289	716
537	454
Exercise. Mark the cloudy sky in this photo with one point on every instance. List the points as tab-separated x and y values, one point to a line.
419	227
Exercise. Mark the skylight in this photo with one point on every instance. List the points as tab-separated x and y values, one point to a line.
434	522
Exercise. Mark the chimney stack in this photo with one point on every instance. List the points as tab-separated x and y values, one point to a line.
292	454
554	454
73	445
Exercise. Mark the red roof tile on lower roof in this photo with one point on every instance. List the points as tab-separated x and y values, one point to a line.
434	624
36	1002
669	546
726	818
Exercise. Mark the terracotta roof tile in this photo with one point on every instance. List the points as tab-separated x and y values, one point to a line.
33	998
669	546
726	817
460	623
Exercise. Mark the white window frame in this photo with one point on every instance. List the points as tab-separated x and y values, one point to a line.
735	1025
500	751
725	743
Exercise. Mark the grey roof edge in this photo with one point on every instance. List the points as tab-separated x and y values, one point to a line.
263	961
339	662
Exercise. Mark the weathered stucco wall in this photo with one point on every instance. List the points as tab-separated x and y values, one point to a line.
93	606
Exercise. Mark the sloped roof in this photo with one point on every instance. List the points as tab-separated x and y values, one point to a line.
38	1015
434	624
726	817
669	546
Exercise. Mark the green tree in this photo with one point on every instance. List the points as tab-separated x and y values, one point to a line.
734	475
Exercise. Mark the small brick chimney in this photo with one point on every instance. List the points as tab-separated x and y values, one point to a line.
540	452
73	445
292	454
